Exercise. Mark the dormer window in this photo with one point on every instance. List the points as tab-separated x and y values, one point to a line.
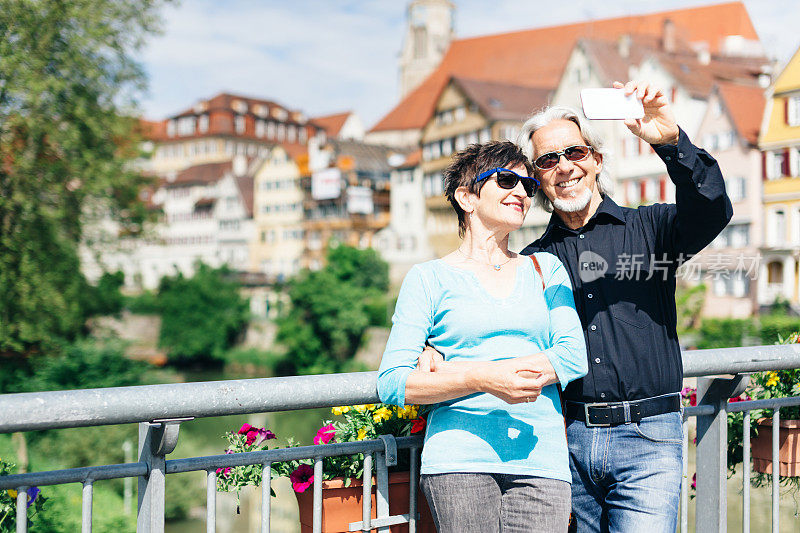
279	113
239	106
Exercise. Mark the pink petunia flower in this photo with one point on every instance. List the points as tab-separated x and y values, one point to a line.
325	434
245	429
224	471
302	478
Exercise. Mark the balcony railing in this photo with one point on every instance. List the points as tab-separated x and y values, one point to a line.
160	409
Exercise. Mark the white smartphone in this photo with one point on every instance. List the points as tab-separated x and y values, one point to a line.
610	104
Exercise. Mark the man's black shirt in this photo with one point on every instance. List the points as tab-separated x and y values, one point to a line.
622	266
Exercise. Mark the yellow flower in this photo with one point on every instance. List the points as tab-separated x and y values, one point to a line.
361	408
12	493
362	434
342	409
382	414
772	380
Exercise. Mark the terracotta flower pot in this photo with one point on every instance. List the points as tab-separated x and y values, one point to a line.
342	505
788	447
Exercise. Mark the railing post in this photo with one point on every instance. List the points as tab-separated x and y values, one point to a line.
156	440
712	451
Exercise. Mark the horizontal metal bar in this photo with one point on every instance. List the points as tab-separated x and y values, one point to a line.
740	360
697	410
208	462
381	522
73	475
770	403
122	405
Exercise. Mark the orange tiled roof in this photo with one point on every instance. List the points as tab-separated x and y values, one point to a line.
536	57
745	104
332	124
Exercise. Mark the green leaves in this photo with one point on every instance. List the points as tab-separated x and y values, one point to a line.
331	309
68	83
201	316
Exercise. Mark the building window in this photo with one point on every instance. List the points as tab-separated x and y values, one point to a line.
775	272
202	123
171	128
736	188
260	128
793	110
777	164
777	228
239	122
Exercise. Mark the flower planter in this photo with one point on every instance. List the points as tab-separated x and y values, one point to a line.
788	447
342	505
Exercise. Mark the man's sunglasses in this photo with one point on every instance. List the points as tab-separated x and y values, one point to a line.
508	179
575	153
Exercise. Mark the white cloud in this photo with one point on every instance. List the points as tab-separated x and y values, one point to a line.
326	56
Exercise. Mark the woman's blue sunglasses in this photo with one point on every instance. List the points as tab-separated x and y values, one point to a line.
508	179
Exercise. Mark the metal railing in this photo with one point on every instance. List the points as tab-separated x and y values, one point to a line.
160	409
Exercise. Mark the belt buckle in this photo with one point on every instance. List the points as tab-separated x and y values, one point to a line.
586	407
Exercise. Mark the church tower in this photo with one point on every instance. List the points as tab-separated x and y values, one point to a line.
429	30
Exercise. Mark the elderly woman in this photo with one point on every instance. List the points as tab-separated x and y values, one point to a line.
495	453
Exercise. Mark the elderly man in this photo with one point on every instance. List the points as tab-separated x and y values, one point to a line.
623	419
624	426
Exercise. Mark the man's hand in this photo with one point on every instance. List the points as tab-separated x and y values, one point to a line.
658	126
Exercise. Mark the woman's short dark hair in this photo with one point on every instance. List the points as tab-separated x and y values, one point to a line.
471	161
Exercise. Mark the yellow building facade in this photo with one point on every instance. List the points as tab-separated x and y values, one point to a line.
779	275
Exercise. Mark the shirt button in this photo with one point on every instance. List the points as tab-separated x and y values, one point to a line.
593	327
581	236
590	295
597	360
602	394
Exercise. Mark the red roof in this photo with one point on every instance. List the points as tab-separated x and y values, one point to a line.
536	57
204	174
332	124
246	186
745	105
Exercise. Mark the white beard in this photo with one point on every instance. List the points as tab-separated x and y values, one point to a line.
575	204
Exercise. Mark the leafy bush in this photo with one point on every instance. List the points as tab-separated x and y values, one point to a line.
87	364
331	310
105	298
145	303
724	332
202	316
775	327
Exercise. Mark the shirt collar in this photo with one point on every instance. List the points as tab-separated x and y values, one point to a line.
607	206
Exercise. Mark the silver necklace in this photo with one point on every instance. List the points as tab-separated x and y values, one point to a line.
496	266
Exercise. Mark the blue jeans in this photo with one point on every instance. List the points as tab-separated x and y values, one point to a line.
626	478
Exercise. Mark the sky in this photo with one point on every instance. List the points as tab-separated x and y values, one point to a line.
328	56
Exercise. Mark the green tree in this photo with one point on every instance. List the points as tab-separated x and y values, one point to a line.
201	316
68	85
331	310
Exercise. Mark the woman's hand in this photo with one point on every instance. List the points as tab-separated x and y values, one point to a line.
515	380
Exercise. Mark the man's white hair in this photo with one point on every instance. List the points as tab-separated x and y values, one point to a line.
552	114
